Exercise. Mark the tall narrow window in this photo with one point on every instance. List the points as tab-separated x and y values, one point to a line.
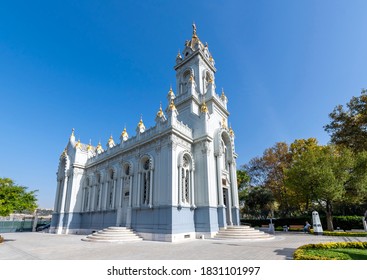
98	191
111	190
146	182
185	185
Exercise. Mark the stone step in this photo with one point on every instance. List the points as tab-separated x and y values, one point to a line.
242	232
113	234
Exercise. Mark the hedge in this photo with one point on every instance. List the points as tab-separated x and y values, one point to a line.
299	254
342	222
343	233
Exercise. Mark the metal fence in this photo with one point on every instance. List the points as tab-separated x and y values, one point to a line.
16	226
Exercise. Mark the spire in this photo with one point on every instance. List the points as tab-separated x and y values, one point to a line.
178	57
72	136
223	97
124	136
172	106
110	142
99	148
64	154
160	112
141	127
89	147
194	30
170	95
231	132
78	145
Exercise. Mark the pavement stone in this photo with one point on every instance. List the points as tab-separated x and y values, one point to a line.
45	246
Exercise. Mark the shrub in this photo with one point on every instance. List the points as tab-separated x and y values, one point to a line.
348	222
301	252
343	222
342	233
1	239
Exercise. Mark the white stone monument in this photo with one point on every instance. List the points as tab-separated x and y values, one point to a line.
316	223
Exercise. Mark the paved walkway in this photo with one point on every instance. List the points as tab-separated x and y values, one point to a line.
44	246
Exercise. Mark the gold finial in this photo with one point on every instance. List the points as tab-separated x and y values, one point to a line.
160	112
64	154
223	96
141	125
172	106
141	121
110	141
194	30
231	132
204	108
99	148
224	123
179	54
78	145
89	147
124	135
170	92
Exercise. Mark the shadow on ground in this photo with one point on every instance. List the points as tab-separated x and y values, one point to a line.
287	252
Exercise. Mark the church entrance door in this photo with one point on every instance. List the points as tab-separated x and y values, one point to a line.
226	204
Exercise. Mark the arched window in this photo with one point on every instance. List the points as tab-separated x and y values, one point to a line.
146	182
185	185
98	191
207	80
185	81
111	190
225	156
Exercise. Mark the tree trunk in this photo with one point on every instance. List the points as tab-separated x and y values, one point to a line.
329	217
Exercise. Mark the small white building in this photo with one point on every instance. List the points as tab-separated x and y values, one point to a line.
170	182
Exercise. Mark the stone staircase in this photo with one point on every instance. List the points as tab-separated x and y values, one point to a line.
113	234
242	232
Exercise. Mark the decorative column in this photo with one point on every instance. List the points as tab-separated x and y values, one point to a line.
128	214
138	190
57	199
62	205
121	191
114	193
219	179
151	189
234	191
179	186
192	189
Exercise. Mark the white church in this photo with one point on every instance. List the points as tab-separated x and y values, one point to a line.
173	181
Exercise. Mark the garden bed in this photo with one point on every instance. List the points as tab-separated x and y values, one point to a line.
332	251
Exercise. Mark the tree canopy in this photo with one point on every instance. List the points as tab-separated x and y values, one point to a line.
14	198
319	177
348	125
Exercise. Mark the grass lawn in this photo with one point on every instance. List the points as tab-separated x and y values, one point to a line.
337	254
332	251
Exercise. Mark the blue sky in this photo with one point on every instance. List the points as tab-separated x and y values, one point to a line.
97	66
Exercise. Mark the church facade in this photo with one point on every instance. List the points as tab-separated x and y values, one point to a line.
173	181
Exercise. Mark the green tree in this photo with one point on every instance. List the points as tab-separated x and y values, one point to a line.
348	126
320	175
14	198
242	178
258	201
